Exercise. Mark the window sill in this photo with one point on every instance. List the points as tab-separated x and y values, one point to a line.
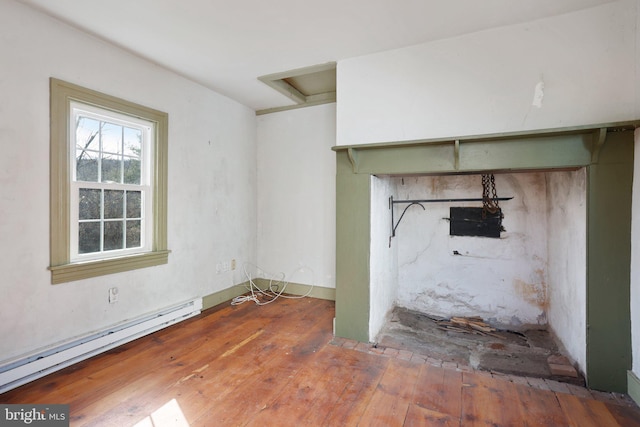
85	270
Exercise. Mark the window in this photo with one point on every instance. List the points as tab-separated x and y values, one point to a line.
108	184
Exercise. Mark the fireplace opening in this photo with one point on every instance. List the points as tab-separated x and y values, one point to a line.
527	281
581	276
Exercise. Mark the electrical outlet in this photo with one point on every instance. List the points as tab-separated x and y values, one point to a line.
225	266
113	295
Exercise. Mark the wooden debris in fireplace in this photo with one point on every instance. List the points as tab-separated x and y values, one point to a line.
469	325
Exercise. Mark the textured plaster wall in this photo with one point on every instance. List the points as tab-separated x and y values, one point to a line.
211	193
296	194
383	264
502	280
488	82
533	275
567	243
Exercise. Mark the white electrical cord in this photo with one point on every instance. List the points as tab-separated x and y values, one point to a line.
273	291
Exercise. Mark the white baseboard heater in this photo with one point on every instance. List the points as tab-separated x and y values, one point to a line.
27	368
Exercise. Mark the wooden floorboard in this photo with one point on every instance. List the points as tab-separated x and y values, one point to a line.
279	365
439	390
539	407
390	401
360	384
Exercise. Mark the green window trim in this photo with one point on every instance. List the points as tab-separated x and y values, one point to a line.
62	269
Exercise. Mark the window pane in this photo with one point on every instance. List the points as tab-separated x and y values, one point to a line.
89	205
86	166
111	138
132	142
88	237
111	168
113	238
131	170
113	204
87	134
134	208
133	234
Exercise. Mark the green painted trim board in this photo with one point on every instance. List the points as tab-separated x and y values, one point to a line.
353	241
609	193
225	295
633	386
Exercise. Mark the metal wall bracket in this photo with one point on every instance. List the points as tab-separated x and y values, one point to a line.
395	225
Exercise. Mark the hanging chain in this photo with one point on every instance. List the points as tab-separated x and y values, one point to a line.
489	195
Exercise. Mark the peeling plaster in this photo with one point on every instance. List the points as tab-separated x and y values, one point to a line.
502	280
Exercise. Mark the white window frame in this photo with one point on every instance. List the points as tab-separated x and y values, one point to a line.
148	129
66	263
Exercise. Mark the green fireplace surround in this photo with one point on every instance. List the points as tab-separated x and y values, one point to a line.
606	151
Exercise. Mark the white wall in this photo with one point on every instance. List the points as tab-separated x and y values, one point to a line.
502	280
567	245
297	194
485	82
635	260
383	265
212	183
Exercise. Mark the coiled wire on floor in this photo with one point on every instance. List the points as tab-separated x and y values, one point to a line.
276	288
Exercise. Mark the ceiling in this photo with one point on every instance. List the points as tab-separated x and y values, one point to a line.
227	45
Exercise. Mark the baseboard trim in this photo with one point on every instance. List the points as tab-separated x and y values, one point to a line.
225	295
320	292
633	386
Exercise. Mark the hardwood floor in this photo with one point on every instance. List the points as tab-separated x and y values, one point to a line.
278	365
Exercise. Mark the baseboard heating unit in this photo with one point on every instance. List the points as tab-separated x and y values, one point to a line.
27	368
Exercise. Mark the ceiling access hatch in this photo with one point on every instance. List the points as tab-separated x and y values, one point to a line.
307	86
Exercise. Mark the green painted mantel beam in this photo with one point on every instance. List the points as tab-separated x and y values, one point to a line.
544	149
605	150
